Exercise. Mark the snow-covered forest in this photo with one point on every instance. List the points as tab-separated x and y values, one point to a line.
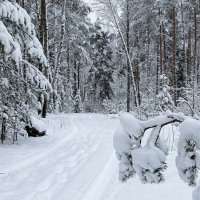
107	87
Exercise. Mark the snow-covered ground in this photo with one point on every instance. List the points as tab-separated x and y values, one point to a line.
76	161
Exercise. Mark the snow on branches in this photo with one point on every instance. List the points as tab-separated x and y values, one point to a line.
18	39
188	159
10	47
148	160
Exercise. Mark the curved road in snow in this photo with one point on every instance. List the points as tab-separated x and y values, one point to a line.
76	161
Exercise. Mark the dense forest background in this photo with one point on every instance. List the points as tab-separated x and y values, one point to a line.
140	55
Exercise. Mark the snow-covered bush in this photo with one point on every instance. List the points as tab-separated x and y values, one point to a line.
123	144
188	159
148	160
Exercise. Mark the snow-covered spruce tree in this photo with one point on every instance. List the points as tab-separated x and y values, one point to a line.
100	77
164	97
148	161
109	107
78	106
21	54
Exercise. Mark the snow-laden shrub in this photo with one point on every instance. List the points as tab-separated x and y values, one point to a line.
123	145
148	161
188	159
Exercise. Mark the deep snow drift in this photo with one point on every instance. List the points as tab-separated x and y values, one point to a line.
76	161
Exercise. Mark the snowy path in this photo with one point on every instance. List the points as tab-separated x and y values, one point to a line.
76	161
75	158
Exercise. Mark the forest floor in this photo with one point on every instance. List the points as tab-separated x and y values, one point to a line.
76	161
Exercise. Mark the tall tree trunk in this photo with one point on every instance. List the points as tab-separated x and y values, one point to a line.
194	75
78	76
164	49
128	101
44	42
184	43
189	58
137	75
43	31
174	58
115	17
161	46
148	63
68	63
75	78
157	68
195	42
45	104
43	26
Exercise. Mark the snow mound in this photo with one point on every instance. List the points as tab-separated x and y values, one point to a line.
131	125
148	163
38	124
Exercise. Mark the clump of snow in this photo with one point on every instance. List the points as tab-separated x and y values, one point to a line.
123	144
131	125
162	146
38	124
11	48
148	163
35	49
36	77
14	13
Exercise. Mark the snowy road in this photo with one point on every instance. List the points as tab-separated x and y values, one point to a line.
72	162
76	161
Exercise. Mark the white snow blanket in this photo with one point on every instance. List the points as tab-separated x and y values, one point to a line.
76	161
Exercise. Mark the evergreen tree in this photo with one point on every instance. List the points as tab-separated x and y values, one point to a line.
20	79
164	98
100	77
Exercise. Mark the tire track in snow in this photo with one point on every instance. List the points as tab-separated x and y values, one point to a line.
69	166
98	186
80	183
69	159
41	154
37	158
